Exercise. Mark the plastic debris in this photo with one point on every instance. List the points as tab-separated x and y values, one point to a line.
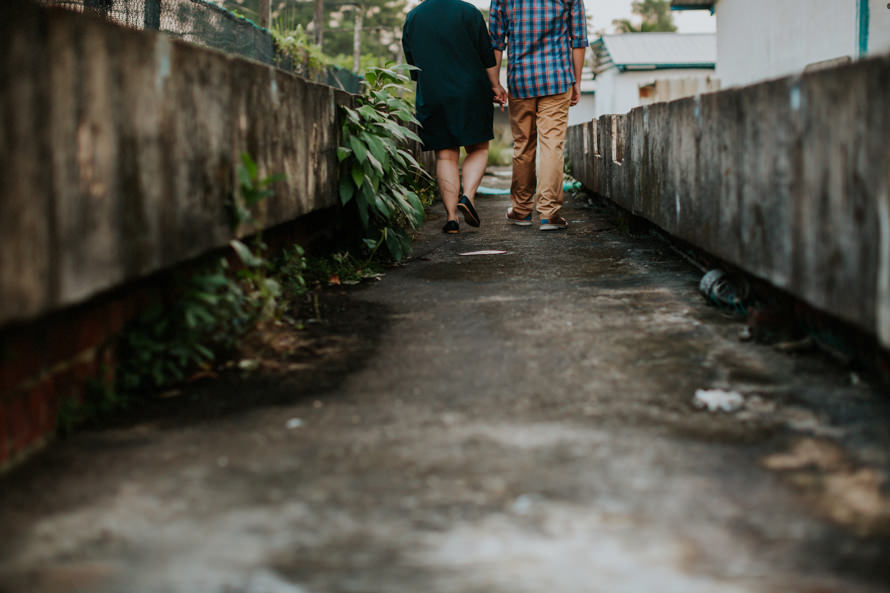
485	252
727	291
248	364
293	423
718	400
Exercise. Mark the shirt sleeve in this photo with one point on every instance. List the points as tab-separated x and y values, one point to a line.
577	24
498	24
483	42
406	47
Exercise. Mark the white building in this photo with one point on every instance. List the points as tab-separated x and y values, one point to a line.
636	68
761	39
585	110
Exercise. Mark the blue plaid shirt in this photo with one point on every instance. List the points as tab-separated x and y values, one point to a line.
541	34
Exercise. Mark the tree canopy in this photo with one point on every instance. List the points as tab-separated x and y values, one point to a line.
655	16
381	22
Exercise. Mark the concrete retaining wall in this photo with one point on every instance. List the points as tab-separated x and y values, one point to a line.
787	179
118	151
118	157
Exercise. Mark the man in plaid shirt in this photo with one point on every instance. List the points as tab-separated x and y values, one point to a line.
548	40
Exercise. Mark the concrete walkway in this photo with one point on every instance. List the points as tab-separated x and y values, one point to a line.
482	424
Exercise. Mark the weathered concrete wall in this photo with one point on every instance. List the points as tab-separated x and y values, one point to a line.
786	179
118	156
118	151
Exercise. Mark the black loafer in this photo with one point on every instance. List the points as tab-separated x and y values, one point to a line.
451	227
471	217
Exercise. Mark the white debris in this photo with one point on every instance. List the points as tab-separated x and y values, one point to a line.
718	400
293	423
248	365
485	252
523	504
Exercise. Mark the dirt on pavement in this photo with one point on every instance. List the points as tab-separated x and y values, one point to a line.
516	422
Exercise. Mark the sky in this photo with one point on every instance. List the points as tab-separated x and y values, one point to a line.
687	21
604	11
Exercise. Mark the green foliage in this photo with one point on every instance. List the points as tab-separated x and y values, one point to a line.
500	152
366	62
252	190
378	174
294	42
210	310
382	19
655	14
292	265
99	400
341	267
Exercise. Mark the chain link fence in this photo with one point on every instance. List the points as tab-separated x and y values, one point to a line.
204	23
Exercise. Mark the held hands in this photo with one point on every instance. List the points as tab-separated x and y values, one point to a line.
500	95
576	94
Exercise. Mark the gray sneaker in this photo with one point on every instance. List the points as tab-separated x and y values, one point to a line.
514	218
554	223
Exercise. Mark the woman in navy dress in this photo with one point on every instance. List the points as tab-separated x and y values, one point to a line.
456	84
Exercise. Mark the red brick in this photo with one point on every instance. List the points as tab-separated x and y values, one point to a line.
4	446
17	423
82	372
42	402
92	329
60	337
22	357
65	384
118	314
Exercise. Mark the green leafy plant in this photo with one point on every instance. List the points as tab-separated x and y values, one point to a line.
294	43
209	311
292	265
252	190
184	332
379	175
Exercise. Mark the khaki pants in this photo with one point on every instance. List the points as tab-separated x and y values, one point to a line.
544	120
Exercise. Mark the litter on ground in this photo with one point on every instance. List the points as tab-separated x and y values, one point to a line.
718	400
485	252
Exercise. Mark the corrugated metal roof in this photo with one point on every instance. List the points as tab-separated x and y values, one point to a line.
661	49
692	4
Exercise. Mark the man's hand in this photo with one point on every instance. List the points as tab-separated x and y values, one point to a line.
576	94
500	95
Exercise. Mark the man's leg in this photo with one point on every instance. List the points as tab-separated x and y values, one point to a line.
474	168
525	142
553	117
448	176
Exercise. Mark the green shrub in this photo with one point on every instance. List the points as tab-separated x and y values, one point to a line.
379	176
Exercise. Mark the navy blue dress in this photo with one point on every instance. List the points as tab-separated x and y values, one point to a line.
449	42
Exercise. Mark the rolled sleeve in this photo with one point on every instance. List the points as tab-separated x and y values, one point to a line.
578	32
497	25
483	44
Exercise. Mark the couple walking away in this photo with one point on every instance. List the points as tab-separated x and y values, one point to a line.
458	79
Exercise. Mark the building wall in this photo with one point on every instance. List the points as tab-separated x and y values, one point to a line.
788	180
619	92
585	110
762	39
878	27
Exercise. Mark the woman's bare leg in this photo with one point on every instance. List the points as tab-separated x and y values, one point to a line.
448	176
474	168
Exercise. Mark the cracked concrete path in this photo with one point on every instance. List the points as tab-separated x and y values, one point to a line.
506	423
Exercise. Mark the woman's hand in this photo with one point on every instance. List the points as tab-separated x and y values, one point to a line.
500	95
